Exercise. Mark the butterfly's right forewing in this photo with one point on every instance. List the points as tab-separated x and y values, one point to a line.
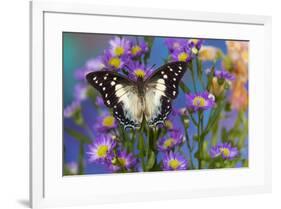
161	89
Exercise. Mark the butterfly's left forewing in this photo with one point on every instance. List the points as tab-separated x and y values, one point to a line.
120	94
161	88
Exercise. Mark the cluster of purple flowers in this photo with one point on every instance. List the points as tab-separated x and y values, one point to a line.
222	74
104	150
224	150
70	110
183	49
172	160
122	53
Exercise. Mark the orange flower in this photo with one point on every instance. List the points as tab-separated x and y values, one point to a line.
208	53
237	52
239	96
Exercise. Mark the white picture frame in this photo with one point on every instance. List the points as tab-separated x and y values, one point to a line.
49	188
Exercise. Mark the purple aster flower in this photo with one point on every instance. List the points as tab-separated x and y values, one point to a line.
105	123
225	150
90	66
114	62
80	73
72	109
183	111
119	46
184	55
138	49
200	101
122	160
174	161
215	151
223	74
195	45
80	91
101	149
138	70
173	139
72	167
95	64
175	44
99	101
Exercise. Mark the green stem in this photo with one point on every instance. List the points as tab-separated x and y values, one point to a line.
200	72
141	148
199	142
193	119
193	80
80	159
189	148
87	128
200	128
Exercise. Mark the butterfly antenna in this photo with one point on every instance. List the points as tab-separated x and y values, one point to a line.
152	66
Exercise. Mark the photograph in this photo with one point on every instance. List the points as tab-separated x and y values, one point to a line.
135	103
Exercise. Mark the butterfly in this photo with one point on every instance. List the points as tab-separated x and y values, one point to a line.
131	101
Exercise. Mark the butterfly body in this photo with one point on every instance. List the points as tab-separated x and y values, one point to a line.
132	101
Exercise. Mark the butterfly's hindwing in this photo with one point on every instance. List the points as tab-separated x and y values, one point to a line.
156	112
161	89
129	111
120	94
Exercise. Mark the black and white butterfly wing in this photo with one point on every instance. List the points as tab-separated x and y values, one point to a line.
120	94
161	88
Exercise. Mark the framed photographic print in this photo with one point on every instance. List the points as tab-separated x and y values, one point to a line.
137	105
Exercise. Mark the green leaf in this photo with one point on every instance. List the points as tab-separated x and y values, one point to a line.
78	136
228	107
184	87
196	138
149	40
227	62
197	154
215	136
141	146
245	163
224	135
150	161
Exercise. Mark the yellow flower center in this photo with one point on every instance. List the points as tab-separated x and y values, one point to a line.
102	150
139	73
115	62
119	161
225	151
135	49
182	56
169	124
169	142
195	41
199	101
122	161
119	51
194	50
108	121
174	164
